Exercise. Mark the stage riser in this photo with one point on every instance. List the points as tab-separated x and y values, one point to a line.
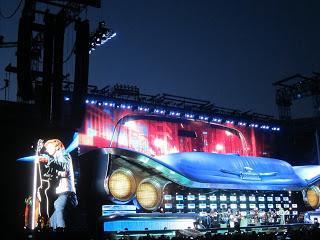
147	224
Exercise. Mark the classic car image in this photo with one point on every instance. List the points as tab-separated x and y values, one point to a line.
125	188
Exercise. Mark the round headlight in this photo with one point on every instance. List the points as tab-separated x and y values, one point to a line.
313	197
149	194
121	184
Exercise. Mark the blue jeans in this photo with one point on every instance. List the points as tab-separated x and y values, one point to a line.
64	203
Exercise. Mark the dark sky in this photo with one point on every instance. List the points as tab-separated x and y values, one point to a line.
228	52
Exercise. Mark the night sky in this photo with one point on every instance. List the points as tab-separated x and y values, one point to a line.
228	52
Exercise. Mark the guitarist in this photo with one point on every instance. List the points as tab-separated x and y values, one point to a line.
57	158
41	204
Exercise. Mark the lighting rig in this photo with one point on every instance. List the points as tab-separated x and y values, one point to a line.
129	98
100	36
294	88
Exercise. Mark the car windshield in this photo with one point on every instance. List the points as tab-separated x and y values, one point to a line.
155	136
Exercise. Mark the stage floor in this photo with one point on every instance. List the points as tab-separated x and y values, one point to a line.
217	230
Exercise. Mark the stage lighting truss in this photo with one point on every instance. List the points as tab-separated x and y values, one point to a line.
175	113
100	36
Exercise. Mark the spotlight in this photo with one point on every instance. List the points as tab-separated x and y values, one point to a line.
125	106
189	115
159	111
109	104
100	36
242	124
143	109
173	113
203	118
218	120
98	41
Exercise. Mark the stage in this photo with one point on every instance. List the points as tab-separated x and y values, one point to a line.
214	231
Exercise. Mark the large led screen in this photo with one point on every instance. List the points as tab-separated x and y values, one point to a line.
53	192
157	135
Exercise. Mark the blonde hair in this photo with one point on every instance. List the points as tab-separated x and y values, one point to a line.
56	142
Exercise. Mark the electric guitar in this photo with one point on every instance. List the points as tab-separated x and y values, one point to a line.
46	176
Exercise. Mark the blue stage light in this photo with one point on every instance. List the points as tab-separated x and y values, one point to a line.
143	109
87	101
217	120
125	106
100	36
189	115
66	98
159	111
203	118
109	104
275	129
98	41
174	113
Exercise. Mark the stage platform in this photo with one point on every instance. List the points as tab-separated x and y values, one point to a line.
148	222
183	224
194	233
164	222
